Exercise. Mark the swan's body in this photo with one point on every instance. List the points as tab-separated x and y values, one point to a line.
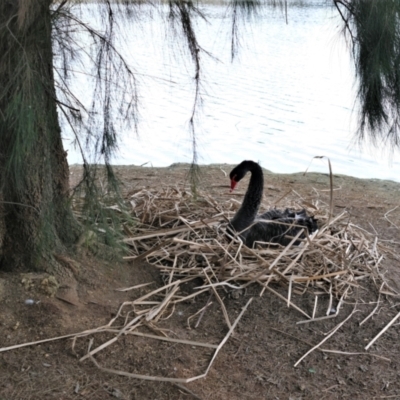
276	226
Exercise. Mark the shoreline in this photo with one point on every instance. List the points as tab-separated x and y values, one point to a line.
186	166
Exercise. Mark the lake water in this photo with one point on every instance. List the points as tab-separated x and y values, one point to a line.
287	97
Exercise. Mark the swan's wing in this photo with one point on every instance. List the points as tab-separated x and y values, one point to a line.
273	214
279	230
271	231
283	214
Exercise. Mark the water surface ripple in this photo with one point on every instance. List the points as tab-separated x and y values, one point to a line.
287	97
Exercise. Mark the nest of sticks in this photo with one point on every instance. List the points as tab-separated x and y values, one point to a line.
183	235
185	238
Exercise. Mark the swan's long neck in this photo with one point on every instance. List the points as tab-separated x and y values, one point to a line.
252	200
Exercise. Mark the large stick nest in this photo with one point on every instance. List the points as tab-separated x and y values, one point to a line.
185	237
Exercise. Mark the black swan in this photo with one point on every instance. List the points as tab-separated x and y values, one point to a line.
280	226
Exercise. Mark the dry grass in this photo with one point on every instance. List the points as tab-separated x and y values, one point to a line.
184	237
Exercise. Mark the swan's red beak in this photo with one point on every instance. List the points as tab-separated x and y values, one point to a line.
233	184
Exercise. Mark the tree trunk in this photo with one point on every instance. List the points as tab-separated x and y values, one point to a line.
38	221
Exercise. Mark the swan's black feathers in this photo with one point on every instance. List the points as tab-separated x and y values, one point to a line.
280	227
274	226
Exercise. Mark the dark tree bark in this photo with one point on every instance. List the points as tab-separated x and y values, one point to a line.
38	221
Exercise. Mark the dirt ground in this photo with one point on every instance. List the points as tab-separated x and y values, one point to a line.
257	362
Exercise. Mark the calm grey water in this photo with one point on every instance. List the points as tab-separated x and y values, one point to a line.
289	96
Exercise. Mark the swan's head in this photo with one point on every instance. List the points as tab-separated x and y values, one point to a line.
238	173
